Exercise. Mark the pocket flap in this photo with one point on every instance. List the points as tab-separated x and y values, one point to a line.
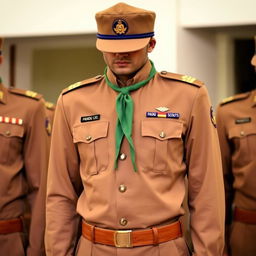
240	131
11	130
162	129
90	132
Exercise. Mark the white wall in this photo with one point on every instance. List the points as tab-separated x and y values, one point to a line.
210	13
27	18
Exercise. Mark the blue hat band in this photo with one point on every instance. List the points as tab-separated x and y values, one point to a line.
118	37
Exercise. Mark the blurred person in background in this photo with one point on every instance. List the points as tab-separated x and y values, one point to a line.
236	124
23	162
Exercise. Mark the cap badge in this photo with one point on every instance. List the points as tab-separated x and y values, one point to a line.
120	27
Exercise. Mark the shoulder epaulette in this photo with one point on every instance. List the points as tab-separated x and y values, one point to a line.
234	98
183	78
49	105
82	83
27	93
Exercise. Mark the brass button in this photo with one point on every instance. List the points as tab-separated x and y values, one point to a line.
123	221
122	156
242	133
122	188
8	133
88	138
162	135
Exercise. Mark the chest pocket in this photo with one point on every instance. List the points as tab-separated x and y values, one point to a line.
10	142
92	142
162	144
243	137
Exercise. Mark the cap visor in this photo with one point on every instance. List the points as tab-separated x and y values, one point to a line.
253	61
125	45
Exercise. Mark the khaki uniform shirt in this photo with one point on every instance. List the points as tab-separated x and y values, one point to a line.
236	122
237	133
82	180
23	158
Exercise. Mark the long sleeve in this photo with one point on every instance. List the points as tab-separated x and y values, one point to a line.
63	189
35	163
205	181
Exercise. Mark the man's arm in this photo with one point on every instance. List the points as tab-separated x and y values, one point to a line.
227	173
205	181
36	161
62	188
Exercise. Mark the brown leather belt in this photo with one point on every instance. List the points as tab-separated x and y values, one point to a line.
11	226
130	238
245	216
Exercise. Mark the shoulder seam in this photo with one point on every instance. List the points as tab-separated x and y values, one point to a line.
82	84
26	93
234	98
182	78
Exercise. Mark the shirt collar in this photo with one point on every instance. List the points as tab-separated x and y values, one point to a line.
141	75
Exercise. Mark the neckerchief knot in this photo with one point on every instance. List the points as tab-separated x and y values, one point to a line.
124	109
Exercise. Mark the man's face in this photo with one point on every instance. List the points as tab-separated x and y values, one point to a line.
127	64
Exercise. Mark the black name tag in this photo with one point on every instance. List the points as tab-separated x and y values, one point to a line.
243	120
90	118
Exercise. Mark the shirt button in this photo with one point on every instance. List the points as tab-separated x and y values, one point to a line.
88	138
162	135
122	156
7	133
123	221
242	133
122	188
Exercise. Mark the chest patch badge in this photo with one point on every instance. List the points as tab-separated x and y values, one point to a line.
11	120
162	109
85	119
243	120
163	115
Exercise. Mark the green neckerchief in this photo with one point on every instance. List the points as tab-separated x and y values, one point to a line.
124	109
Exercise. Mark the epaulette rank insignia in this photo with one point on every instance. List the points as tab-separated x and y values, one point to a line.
82	83
49	105
27	93
234	98
183	78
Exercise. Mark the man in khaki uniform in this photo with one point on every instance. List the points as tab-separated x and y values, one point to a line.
236	122
122	144
23	159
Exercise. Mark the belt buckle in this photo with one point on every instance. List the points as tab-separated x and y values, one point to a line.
122	238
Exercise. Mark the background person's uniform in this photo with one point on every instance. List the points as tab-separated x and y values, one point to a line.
23	159
236	123
82	182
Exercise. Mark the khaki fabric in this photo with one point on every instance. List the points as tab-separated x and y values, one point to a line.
23	151
82	182
236	125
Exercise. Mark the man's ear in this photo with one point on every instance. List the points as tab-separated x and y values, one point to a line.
151	44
